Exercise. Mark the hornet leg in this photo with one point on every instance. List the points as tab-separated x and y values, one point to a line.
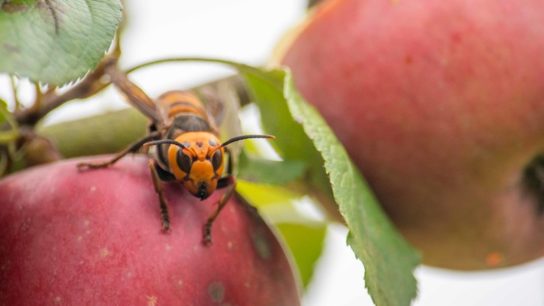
225	182
165	217
130	149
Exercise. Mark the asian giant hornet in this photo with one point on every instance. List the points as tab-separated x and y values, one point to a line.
188	149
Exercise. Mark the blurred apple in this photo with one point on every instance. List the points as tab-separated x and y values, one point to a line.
441	105
94	238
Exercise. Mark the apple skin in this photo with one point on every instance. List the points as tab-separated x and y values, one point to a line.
94	238
441	105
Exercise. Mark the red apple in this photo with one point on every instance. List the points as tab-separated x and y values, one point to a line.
441	105
94	238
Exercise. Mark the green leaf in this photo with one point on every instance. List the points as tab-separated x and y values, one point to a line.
291	142
277	117
55	41
269	171
274	201
11	134
306	244
388	259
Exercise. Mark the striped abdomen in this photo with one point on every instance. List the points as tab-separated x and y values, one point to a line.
183	112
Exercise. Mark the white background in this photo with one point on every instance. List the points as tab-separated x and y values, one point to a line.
247	31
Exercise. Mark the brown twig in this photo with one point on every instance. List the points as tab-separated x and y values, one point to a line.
90	85
51	89
39	96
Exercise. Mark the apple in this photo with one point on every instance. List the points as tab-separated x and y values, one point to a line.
94	238
441	106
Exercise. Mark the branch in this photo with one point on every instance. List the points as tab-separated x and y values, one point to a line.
88	86
113	131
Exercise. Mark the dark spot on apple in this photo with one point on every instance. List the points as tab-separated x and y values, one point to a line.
261	244
216	290
408	59
533	181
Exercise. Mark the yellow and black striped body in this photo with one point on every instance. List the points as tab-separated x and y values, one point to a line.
198	165
185	111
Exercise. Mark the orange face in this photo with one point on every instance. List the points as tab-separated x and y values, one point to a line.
199	165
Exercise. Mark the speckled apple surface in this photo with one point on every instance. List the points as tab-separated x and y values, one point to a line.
94	238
